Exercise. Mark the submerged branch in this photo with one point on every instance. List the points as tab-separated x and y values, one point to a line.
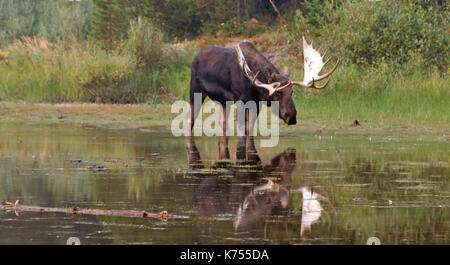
164	216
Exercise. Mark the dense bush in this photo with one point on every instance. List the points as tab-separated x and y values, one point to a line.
378	32
145	43
104	77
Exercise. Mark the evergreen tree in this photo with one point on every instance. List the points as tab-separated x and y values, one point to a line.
140	8
110	22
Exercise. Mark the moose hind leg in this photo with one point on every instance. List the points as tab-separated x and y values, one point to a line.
223	120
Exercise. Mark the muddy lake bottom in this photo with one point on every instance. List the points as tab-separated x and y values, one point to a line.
310	189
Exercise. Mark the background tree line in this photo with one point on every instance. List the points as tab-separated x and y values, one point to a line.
108	20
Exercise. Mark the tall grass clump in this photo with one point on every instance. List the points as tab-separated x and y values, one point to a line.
376	95
37	70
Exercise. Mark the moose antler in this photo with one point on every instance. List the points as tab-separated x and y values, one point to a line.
313	64
272	87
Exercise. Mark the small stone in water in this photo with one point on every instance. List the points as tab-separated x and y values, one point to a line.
97	168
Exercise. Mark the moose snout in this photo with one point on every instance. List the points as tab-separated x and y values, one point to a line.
290	118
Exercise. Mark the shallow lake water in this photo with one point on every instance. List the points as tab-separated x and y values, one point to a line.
309	189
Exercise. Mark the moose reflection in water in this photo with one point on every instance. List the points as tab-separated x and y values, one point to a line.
250	190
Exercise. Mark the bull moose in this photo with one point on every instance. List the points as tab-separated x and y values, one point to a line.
244	74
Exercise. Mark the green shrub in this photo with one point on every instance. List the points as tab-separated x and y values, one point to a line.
167	81
104	77
145	43
377	32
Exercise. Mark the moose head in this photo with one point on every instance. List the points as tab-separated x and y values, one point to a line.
280	87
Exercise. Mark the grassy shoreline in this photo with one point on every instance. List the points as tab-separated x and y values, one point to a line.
144	116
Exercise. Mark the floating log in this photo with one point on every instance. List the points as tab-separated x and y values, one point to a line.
17	207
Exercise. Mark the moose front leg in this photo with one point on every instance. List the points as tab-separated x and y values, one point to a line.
250	120
192	153
252	154
223	120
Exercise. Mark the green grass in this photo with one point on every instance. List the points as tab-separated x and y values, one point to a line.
377	94
410	98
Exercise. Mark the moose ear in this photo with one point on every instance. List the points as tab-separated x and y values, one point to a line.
286	72
270	75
